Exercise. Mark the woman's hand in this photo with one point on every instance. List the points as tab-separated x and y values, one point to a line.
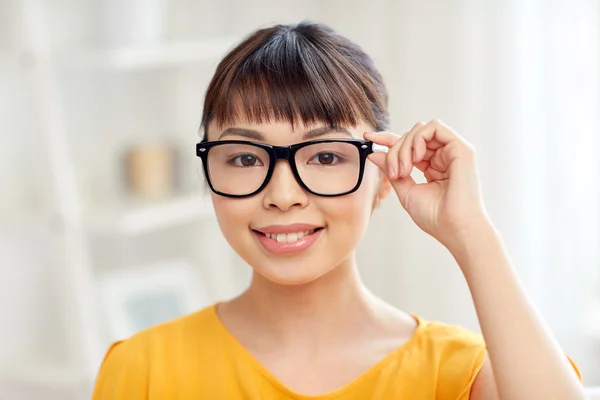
449	205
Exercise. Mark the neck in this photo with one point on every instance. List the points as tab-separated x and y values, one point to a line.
315	312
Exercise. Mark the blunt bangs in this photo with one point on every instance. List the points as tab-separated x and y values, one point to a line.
304	73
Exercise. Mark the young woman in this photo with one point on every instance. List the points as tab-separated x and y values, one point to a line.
293	119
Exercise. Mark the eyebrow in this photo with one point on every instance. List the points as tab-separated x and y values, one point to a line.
312	134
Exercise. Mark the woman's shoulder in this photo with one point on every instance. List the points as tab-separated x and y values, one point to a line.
455	353
448	336
197	327
125	370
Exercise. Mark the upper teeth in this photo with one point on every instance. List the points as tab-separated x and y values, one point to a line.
289	237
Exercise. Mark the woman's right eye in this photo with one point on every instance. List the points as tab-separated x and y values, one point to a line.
246	160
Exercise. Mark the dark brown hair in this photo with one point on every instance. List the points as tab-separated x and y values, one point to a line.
296	73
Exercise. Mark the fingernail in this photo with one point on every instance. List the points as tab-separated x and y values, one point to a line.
391	171
401	167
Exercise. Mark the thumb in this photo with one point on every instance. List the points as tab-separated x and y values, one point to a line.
401	186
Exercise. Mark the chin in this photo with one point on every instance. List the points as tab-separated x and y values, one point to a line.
289	275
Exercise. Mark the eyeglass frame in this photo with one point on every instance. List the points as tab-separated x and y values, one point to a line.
288	153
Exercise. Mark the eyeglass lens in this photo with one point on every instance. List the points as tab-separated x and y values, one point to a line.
327	168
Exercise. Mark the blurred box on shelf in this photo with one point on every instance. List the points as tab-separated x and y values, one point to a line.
150	170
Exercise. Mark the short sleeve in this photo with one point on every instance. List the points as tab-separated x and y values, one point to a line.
472	367
123	374
461	354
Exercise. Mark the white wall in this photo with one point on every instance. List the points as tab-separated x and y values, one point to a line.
520	80
465	62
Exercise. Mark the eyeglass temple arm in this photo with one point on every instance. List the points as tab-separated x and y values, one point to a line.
377	148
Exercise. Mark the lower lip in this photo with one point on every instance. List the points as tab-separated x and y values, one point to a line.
273	246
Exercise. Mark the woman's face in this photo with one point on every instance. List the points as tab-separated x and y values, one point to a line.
268	230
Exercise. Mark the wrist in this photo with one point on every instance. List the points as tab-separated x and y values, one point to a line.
479	235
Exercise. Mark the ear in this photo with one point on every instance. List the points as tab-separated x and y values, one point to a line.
383	189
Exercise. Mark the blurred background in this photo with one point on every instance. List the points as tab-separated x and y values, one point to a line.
105	226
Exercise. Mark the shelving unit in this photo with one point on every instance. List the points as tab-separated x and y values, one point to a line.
135	220
70	217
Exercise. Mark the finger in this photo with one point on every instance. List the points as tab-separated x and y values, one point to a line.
406	152
383	162
379	160
436	131
432	136
439	161
397	168
386	139
422	165
423	161
446	156
419	148
429	172
402	187
429	153
423	150
432	175
392	166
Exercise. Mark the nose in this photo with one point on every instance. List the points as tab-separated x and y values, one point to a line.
283	191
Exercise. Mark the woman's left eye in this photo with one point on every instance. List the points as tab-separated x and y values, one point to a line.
325	158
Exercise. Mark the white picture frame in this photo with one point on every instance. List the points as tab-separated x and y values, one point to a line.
137	298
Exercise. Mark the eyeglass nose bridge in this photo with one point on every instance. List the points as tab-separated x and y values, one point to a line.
285	153
282	153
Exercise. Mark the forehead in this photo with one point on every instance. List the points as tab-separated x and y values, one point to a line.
275	123
281	132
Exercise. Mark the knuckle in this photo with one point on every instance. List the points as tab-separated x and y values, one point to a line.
398	144
470	150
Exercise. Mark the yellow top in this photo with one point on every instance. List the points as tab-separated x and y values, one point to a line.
195	357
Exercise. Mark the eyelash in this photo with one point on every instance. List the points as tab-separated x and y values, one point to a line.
232	160
338	158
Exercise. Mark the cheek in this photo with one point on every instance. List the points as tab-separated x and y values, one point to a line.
233	214
351	213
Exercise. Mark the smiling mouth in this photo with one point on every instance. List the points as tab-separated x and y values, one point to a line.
291	237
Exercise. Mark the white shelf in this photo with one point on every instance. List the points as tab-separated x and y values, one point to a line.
57	376
130	219
22	221
155	56
150	217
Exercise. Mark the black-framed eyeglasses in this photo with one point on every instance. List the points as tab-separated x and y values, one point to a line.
325	167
